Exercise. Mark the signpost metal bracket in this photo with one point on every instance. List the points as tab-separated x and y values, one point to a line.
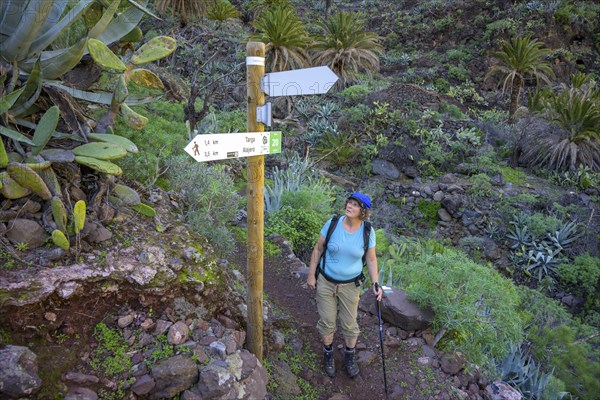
265	83
264	114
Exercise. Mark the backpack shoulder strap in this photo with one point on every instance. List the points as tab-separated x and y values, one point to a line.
334	221
332	225
366	238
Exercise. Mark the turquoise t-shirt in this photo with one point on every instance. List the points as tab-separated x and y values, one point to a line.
343	257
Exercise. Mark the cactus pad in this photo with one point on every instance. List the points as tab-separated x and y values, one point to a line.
101	151
79	216
103	56
27	178
10	188
145	209
59	213
99	165
127	195
60	239
114	139
157	48
133	119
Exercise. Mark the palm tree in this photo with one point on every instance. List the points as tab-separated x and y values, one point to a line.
285	37
345	47
520	59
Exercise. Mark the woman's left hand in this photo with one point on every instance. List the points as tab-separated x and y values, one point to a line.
377	291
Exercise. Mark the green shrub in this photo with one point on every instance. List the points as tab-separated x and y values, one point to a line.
476	307
429	209
355	93
441	85
110	356
512	175
165	135
555	340
453	110
582	275
481	186
357	113
458	73
540	224
300	226
211	201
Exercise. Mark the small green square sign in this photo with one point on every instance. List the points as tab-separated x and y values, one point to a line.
275	142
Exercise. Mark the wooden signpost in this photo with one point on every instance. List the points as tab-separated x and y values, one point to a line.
254	144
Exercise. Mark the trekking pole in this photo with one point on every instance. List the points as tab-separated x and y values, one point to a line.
377	288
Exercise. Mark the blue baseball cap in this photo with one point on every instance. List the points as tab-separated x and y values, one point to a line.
363	199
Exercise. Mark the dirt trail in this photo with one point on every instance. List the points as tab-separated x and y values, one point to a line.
406	377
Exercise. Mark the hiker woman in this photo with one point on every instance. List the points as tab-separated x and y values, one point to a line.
349	244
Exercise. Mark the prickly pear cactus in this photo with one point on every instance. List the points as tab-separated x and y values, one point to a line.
133	119
3	155
157	48
60	239
114	139
79	216
10	189
145	209
27	178
59	213
99	165
101	151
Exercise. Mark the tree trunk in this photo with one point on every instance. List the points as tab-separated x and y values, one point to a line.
328	6
514	98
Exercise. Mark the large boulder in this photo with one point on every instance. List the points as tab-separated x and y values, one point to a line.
173	375
398	311
19	372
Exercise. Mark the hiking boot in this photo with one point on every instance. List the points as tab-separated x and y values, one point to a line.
329	362
350	362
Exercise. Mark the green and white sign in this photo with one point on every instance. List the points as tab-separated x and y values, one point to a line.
221	146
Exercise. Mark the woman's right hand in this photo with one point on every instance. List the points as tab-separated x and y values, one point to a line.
311	281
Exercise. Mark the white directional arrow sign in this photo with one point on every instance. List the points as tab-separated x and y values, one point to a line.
221	146
317	80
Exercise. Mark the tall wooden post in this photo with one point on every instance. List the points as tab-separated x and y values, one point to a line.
255	69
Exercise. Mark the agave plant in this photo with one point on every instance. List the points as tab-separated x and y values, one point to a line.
286	39
345	47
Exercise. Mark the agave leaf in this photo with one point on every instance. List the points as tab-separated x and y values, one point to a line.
32	18
142	8
104	56
146	78
57	62
121	25
58	7
43	41
101	97
157	48
45	129
15	135
8	8
105	20
133	119
33	87
7	101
